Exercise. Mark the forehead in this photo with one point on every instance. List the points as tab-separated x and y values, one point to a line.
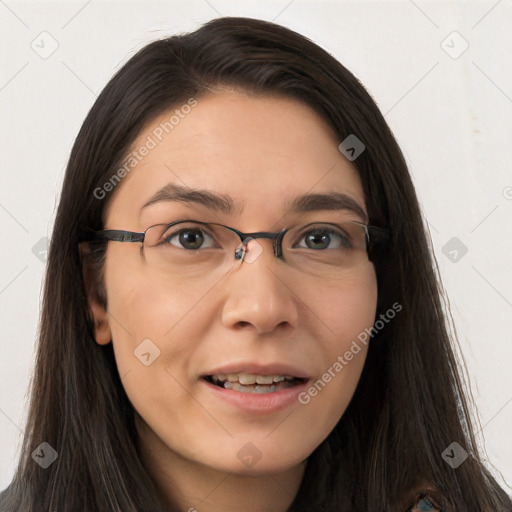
255	149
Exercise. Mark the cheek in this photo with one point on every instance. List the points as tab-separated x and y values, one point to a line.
348	307
143	314
153	340
346	310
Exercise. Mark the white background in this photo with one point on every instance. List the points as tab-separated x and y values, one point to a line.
451	116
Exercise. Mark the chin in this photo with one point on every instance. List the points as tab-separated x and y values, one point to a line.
256	459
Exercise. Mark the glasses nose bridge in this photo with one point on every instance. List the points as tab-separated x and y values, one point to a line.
277	239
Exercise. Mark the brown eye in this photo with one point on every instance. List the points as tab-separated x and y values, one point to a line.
324	238
191	238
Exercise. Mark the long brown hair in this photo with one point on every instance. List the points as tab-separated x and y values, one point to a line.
410	403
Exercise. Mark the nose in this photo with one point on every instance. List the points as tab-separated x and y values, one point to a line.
258	295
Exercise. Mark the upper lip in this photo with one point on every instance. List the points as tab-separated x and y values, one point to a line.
260	369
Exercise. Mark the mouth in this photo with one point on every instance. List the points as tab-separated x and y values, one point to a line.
252	383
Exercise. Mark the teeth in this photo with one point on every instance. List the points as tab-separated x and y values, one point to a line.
235	386
250	383
248	379
263	379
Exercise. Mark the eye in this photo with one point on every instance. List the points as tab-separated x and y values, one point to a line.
191	238
325	238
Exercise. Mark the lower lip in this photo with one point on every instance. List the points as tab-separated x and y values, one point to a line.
258	403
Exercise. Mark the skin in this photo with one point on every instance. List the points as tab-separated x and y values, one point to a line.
260	151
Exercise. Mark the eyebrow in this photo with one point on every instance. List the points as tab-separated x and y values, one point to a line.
211	200
327	201
226	204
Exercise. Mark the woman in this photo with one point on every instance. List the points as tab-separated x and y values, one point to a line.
241	309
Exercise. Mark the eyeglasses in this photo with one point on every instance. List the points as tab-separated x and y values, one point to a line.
189	248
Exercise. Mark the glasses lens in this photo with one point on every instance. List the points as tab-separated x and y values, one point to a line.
190	248
326	249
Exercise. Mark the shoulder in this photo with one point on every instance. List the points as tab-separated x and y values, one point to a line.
425	504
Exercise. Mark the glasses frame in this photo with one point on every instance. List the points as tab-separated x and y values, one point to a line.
374	235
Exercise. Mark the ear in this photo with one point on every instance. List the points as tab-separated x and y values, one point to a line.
92	273
102	332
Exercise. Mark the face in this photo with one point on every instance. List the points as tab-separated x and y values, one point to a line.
263	317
